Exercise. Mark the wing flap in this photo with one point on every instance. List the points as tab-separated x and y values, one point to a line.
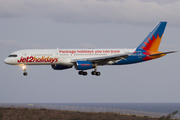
109	58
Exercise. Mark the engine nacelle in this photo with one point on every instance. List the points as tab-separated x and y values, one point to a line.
84	65
60	67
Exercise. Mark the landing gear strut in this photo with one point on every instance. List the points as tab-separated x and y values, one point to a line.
24	69
95	71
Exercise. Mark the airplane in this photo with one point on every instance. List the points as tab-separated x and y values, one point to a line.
85	59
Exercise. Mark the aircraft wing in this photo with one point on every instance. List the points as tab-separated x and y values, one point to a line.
106	59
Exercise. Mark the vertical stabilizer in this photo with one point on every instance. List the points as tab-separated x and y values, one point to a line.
152	41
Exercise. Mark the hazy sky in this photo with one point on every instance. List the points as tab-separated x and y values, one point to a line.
89	24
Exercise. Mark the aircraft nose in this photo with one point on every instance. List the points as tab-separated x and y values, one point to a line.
7	61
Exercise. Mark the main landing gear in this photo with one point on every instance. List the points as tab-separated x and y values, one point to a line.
82	73
93	72
96	73
24	69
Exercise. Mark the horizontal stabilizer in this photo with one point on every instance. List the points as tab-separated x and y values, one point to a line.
162	53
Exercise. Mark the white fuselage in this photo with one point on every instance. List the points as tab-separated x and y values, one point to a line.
59	56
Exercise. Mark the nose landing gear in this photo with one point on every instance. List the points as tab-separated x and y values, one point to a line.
25	73
24	69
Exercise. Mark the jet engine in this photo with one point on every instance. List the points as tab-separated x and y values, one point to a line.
84	65
60	67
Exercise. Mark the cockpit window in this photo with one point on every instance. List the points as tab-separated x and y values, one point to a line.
12	55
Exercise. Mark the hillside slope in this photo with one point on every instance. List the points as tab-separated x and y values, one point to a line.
46	114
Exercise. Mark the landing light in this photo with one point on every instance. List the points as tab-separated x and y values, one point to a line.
23	67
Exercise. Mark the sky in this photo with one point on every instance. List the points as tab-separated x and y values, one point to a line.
89	24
